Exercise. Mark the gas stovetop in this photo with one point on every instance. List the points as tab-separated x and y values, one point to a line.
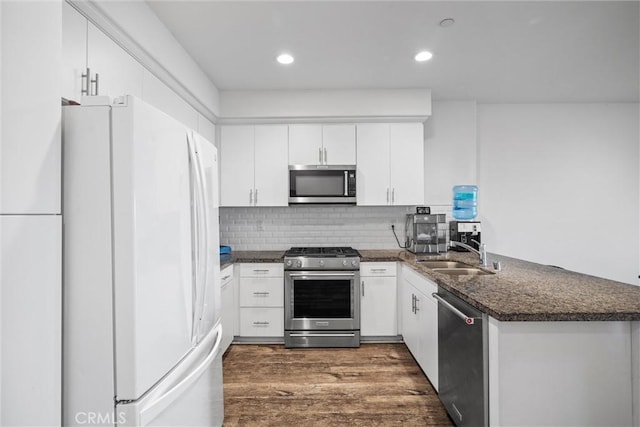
322	258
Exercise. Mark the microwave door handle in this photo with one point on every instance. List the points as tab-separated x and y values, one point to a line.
346	183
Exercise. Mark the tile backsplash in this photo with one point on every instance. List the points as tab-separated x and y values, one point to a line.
283	227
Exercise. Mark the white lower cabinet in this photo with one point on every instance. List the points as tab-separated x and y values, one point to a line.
378	299
420	321
229	309
261	300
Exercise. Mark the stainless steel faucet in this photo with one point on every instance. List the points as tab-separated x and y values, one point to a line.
482	253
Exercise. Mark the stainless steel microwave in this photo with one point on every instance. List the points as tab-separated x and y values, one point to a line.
322	184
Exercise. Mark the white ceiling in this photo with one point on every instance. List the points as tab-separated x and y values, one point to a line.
502	51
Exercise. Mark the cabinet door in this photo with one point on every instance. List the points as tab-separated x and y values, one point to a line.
74	51
236	166
339	144
119	73
305	144
271	168
30	279
407	163
409	319
378	306
427	310
30	164
372	183
228	315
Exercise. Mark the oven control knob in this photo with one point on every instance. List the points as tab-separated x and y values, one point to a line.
354	263
289	263
344	262
299	263
321	263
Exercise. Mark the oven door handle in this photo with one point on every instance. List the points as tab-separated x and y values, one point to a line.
322	274
301	335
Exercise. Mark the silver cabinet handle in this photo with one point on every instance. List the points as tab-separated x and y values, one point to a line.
417	308
225	278
264	294
251	197
468	320
413	303
325	158
393	196
320	155
387	195
255	197
362	284
96	81
380	270
86	77
262	271
261	323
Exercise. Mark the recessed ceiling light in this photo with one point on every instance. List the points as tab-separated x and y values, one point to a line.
285	59
423	56
447	22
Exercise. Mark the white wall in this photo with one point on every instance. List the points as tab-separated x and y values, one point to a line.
558	184
323	104
450	150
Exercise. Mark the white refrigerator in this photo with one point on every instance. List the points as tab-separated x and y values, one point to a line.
141	272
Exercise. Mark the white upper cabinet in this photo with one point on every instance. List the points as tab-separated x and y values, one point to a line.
315	144
85	46
30	164
406	163
254	170
339	144
74	51
271	168
390	159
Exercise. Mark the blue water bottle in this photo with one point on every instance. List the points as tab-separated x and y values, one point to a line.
465	202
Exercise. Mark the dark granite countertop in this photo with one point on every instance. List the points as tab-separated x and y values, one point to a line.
526	291
521	291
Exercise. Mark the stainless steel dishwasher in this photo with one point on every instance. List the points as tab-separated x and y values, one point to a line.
463	360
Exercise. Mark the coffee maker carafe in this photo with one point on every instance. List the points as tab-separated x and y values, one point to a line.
426	233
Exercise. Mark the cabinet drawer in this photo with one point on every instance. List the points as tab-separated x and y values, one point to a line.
226	275
262	322
261	292
378	269
262	270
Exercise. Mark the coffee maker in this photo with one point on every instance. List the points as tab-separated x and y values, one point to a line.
467	232
426	233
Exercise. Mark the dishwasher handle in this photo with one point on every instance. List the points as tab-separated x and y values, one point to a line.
468	320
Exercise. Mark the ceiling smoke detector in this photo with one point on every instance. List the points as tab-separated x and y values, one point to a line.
447	22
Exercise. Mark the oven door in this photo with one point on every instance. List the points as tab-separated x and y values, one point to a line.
322	300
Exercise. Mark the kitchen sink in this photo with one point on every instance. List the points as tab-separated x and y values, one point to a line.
461	271
443	264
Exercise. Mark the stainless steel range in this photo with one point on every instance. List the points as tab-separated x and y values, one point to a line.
322	297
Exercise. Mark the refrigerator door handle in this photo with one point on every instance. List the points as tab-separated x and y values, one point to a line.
200	267
205	221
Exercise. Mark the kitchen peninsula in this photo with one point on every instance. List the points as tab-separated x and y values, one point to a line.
563	346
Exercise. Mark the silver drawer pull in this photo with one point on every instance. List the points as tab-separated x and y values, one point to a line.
263	294
261	271
260	323
380	270
225	278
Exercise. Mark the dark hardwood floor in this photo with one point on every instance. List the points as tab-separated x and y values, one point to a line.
374	385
